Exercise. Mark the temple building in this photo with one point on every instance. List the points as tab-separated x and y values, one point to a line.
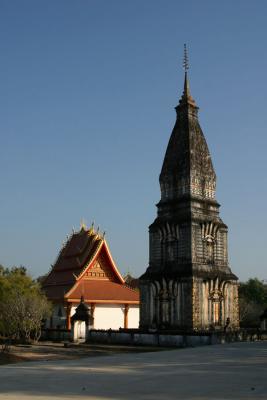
85	269
188	283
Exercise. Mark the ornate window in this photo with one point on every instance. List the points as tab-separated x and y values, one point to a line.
169	234
209	236
171	249
209	242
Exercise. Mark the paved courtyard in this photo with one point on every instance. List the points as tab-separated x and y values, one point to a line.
231	371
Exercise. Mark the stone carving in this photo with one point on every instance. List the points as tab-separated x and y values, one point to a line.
209	236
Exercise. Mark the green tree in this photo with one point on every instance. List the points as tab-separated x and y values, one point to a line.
22	305
254	290
252	302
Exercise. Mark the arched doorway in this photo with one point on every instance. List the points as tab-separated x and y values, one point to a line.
81	322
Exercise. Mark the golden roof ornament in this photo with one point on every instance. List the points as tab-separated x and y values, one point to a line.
83	225
91	231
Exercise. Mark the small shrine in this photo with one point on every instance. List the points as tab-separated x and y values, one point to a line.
81	322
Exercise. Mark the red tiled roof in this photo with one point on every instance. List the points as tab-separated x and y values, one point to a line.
56	292
97	290
78	251
74	258
78	244
62	277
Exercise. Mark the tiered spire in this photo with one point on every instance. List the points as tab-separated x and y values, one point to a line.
187	167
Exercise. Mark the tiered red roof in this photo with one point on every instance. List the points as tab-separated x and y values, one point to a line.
85	267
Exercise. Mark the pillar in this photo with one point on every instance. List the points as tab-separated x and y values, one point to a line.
68	316
126	311
93	314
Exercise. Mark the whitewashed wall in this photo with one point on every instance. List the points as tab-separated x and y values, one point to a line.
133	317
109	316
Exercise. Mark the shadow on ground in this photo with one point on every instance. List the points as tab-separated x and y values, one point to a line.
232	371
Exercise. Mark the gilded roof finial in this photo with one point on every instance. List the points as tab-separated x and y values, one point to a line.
91	230
83	224
185	61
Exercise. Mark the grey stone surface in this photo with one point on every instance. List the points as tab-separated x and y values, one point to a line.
232	371
188	283
154	339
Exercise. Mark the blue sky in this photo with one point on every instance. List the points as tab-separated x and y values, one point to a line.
87	97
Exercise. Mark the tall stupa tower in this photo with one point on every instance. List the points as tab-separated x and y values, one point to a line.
188	284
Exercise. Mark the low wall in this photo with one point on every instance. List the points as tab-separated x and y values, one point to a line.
165	339
149	339
56	334
172	339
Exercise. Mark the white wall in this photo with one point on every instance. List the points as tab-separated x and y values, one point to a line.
109	316
133	316
73	309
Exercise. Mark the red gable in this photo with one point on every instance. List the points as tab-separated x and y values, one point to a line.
85	267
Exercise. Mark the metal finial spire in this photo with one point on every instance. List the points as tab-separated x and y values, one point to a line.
186	96
185	61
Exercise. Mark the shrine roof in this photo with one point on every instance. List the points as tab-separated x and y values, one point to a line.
78	250
102	291
56	292
76	256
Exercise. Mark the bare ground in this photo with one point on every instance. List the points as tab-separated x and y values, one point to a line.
46	351
232	371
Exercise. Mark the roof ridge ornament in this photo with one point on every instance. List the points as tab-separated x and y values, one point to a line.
83	225
91	230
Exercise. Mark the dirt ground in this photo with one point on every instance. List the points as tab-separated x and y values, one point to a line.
45	351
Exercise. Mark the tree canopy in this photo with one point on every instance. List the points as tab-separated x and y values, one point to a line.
22	305
254	290
252	301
